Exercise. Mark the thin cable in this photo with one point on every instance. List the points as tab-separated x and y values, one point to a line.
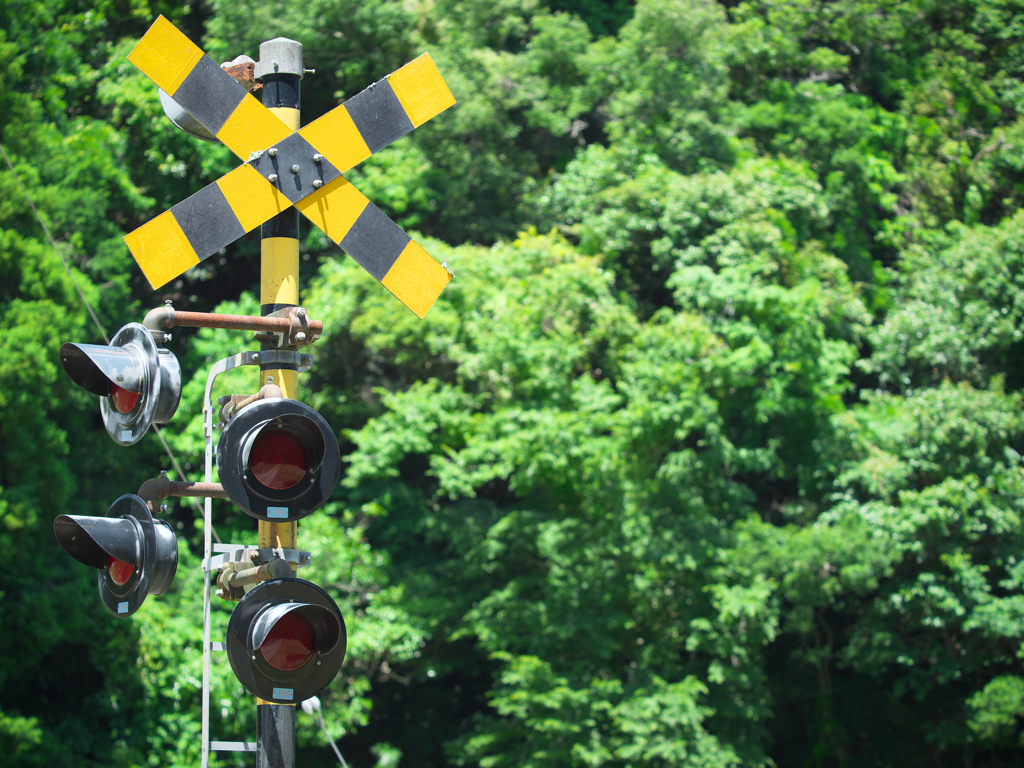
92	314
327	733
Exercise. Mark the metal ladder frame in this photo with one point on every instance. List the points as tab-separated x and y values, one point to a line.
211	563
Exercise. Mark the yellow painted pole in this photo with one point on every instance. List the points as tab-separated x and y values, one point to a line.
280	70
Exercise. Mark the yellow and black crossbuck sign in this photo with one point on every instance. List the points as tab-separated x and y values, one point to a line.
284	168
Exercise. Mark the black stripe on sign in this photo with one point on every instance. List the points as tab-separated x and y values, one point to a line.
209	94
207	220
379	116
375	241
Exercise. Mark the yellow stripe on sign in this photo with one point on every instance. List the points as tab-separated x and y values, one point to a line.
252	198
161	249
251	128
421	90
287	115
165	55
336	137
334	208
416	279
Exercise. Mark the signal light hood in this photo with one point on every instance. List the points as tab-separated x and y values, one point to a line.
81	538
95	367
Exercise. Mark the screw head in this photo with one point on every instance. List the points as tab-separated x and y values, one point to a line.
317	183
295	169
272	151
255	358
272	178
300	336
317	157
301	311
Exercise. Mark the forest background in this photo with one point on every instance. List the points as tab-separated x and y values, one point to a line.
710	455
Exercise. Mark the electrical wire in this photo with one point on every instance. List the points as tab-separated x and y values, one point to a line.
92	314
311	705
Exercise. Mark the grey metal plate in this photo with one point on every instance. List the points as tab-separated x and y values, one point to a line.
295	150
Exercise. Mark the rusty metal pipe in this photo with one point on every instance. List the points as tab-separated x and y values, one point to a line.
162	488
275	569
167	317
188	488
231	408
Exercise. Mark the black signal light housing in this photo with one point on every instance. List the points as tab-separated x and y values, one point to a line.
278	460
134	554
138	382
286	640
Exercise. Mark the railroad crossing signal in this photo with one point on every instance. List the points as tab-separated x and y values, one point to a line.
286	640
282	168
278	460
137	381
135	555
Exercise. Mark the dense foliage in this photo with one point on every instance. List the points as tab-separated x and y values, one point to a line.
711	454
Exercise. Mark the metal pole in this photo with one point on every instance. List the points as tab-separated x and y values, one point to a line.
280	70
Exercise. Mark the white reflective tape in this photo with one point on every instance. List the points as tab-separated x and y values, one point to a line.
278	512
122	607
284	693
126	434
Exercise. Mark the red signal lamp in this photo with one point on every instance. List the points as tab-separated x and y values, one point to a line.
124	401
286	640
119	570
278	460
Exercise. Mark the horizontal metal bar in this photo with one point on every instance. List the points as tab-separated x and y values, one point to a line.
186	488
228	547
232	746
242	322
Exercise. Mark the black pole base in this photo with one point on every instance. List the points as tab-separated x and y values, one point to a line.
275	736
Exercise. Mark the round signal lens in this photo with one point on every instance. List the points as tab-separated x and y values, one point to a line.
290	643
119	571
278	460
124	400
